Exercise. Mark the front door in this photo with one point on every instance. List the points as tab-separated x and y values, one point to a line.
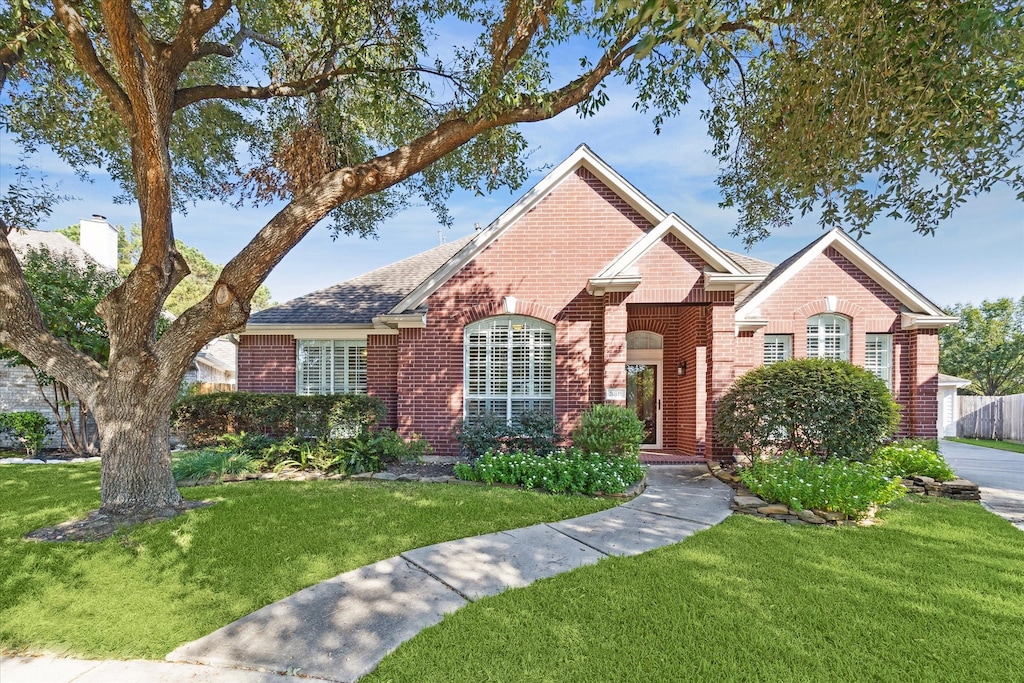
643	395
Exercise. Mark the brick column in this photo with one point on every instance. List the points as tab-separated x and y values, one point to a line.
721	353
382	373
922	414
615	348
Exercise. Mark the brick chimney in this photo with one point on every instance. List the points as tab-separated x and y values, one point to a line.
99	239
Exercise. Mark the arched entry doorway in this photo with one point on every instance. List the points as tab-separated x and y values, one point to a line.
644	381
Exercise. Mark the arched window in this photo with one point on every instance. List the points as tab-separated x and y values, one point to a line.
643	341
828	336
509	366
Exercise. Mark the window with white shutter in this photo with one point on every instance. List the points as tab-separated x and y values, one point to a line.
878	356
509	366
828	336
777	347
326	366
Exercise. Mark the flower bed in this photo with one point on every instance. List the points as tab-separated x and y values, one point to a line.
569	471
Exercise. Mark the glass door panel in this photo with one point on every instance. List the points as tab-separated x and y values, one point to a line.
642	397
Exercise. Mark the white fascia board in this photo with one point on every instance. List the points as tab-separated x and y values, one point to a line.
750	324
598	286
728	282
583	157
919	321
958	382
861	258
396	322
672	223
312	331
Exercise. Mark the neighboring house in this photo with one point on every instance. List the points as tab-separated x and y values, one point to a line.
215	365
583	292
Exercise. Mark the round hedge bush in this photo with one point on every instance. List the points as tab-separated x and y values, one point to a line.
809	405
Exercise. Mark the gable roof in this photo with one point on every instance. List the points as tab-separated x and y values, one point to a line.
583	157
57	243
359	300
919	311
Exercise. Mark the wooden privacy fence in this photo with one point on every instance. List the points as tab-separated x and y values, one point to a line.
991	417
213	387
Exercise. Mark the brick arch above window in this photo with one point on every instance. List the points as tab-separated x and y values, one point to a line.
819	305
490	309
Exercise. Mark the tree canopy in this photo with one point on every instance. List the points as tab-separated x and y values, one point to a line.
986	346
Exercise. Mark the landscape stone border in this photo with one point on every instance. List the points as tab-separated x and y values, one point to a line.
51	461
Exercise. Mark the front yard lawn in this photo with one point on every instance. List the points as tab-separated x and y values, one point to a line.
933	592
991	443
146	591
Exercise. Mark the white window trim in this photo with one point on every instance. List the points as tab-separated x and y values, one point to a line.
330	348
787	347
882	370
488	325
821	336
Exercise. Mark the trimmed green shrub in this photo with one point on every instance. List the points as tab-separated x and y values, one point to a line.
806	483
27	427
533	431
202	420
809	405
210	462
609	430
570	471
906	461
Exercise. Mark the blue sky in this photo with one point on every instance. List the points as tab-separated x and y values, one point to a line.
977	254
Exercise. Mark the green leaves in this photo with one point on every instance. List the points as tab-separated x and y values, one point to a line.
986	346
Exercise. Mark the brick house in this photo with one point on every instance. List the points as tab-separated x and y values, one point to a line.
582	292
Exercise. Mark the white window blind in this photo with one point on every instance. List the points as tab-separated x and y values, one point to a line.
330	367
509	366
878	356
828	336
777	347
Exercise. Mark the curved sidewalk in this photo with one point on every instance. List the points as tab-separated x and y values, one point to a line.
341	628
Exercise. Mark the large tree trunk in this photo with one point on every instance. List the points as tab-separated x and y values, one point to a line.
134	423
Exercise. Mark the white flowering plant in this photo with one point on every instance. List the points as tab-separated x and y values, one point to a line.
835	484
564	471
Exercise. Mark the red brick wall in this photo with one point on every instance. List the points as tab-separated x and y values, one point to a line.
266	363
544	261
382	373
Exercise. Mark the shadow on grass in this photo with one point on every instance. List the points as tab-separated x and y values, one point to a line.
934	592
148	589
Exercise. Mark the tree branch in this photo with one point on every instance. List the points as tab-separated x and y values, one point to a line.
226	308
196	22
22	329
85	53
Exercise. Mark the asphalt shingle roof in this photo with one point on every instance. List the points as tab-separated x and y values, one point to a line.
23	240
358	300
750	264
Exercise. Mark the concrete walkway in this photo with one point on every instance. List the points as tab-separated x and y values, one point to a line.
998	474
340	629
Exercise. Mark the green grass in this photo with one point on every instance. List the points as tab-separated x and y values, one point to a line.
934	592
991	443
146	591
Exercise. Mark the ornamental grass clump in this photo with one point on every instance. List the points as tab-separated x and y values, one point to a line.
915	460
211	462
807	483
569	471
